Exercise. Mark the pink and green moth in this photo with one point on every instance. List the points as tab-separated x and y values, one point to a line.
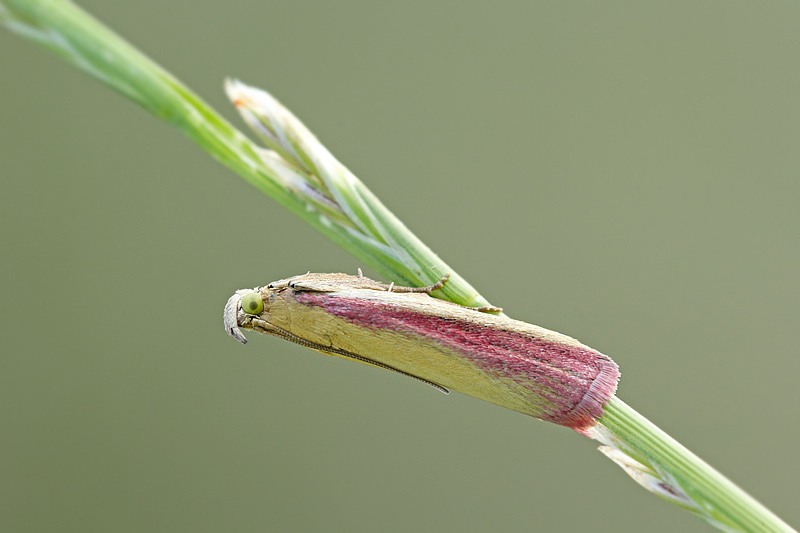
510	363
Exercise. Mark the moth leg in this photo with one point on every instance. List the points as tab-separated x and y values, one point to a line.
427	289
438	285
266	327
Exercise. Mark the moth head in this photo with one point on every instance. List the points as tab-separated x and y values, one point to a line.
252	303
240	310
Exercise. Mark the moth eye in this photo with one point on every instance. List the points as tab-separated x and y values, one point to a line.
252	304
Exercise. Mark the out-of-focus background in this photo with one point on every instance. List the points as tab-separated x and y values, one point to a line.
625	173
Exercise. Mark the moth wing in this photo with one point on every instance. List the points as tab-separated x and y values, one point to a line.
332	283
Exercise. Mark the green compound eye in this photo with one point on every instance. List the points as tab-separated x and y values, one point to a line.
252	304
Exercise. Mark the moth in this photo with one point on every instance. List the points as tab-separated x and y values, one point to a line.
510	363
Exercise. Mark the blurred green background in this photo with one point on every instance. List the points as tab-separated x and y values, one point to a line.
623	172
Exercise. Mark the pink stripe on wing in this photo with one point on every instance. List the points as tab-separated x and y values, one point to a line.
574	382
